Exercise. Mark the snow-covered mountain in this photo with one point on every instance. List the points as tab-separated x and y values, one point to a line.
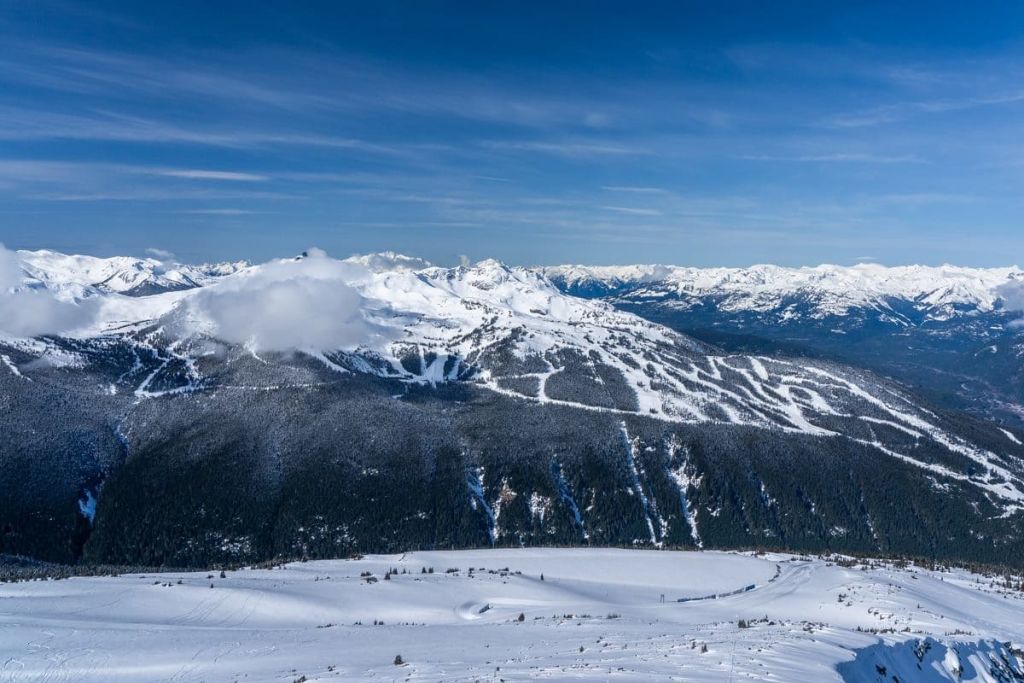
936	293
508	329
270	361
81	275
954	332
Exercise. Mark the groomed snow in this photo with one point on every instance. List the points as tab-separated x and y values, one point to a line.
596	615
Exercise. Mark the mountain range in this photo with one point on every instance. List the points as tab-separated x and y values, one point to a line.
951	333
313	407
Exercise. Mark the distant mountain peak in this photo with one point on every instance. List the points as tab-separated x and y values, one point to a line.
132	276
389	260
825	290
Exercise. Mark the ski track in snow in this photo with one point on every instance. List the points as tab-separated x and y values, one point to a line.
477	497
646	504
565	493
9	364
1012	437
597	615
683	481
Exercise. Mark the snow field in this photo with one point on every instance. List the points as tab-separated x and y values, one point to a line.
596	615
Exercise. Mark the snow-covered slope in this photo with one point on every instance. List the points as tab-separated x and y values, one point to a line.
938	292
519	615
954	332
510	330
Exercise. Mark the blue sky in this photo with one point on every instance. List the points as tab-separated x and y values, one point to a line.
723	133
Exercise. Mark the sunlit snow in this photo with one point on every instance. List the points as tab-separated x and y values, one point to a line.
595	615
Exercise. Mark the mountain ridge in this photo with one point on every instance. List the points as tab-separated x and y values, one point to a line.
121	274
833	290
951	332
537	416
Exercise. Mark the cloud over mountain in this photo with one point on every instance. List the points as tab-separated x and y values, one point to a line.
28	312
303	303
1012	294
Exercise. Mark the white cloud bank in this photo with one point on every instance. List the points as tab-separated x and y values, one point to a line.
289	304
1012	294
26	312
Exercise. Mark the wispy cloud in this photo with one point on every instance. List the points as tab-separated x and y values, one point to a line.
634	189
840	157
901	111
82	71
567	149
201	174
20	124
775	148
632	210
220	212
161	254
305	82
926	198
